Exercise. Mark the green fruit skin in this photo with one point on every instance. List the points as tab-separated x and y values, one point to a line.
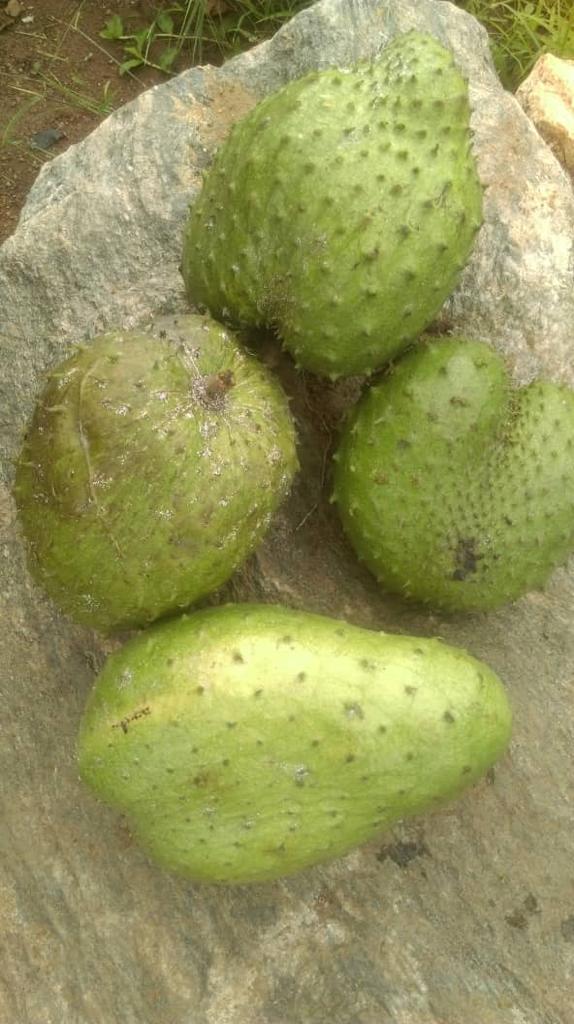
248	742
342	209
138	490
456	489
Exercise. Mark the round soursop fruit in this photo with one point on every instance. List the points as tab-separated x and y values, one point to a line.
247	742
455	488
152	467
342	209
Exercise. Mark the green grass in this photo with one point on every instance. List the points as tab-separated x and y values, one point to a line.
184	32
197	27
522	30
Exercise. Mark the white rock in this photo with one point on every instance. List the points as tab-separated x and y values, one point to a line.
547	96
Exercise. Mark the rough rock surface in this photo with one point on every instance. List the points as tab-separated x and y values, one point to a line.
465	915
547	96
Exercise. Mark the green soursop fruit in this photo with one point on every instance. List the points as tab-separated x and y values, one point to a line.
247	742
341	210
455	488
151	469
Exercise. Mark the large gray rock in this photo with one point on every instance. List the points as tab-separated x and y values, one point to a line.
465	915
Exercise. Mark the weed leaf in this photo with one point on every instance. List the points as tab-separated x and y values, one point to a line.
127	65
164	22
113	29
166	59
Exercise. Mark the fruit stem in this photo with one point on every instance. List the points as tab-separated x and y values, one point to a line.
219	383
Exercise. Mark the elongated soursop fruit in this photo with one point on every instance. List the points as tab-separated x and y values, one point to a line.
342	208
247	742
151	469
455	488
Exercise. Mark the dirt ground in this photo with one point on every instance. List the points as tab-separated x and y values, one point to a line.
57	75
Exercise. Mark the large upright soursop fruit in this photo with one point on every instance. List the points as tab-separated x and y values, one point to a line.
152	467
247	742
342	209
455	488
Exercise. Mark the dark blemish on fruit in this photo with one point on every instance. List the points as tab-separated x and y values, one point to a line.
123	725
350	758
448	717
466	558
567	928
200	689
231	725
301	677
201	780
367	665
257	693
410	690
315	743
409	756
286	640
226	762
353	710
466	770
238	657
382	729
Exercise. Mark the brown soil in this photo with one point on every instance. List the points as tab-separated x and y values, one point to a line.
59	49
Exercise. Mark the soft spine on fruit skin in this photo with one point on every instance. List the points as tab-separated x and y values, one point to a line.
455	488
248	742
342	209
151	469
